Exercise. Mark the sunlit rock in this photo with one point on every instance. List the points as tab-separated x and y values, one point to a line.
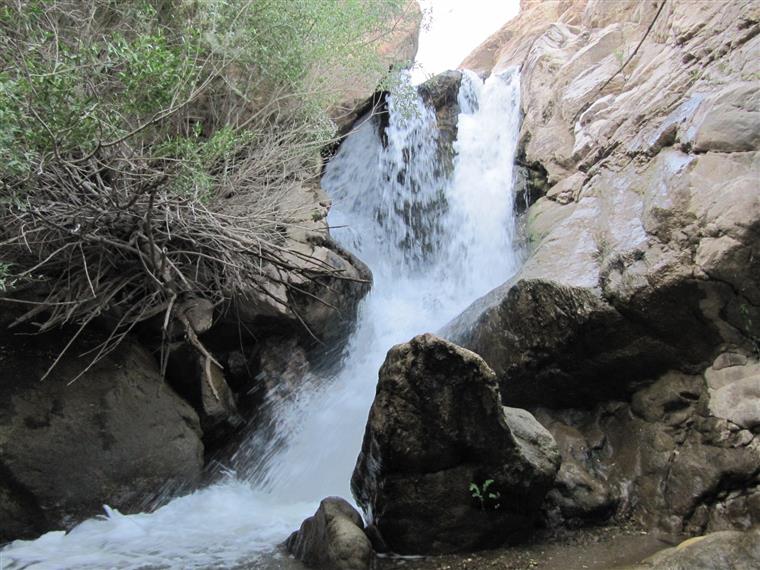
642	262
726	549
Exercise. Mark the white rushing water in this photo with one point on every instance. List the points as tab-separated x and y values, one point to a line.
434	244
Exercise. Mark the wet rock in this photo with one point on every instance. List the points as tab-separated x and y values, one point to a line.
442	94
117	435
282	365
332	538
530	184
727	550
202	383
444	466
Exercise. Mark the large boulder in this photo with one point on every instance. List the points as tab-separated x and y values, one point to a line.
726	550
563	345
333	538
69	444
444	466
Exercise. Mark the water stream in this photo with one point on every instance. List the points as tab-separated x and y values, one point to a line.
434	242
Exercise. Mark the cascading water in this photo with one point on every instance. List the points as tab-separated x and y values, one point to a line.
434	244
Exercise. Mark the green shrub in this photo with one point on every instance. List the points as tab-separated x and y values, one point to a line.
78	74
127	125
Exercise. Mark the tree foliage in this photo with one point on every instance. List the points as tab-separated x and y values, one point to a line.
126	126
78	75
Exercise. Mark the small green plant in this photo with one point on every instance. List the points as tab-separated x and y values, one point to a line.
603	247
488	498
5	280
619	55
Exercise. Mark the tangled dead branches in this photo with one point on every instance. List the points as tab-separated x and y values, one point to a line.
96	243
148	150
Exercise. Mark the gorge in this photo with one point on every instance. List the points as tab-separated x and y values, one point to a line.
575	213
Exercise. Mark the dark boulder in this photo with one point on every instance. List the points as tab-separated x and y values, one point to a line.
117	435
333	538
444	467
561	346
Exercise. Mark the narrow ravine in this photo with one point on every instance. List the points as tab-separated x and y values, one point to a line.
434	244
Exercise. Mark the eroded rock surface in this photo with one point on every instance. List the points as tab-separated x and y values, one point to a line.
727	550
444	466
666	456
333	538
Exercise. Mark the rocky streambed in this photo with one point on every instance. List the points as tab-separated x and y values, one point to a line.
596	408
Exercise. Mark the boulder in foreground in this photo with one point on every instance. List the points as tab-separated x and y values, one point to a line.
333	538
444	467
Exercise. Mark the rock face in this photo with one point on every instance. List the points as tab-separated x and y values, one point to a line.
665	457
333	538
729	550
118	435
633	326
309	303
444	466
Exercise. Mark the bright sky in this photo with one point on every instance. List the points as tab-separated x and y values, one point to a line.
456	28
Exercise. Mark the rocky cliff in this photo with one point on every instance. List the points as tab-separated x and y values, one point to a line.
632	331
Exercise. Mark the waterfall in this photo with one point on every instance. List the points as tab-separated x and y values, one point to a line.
435	242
